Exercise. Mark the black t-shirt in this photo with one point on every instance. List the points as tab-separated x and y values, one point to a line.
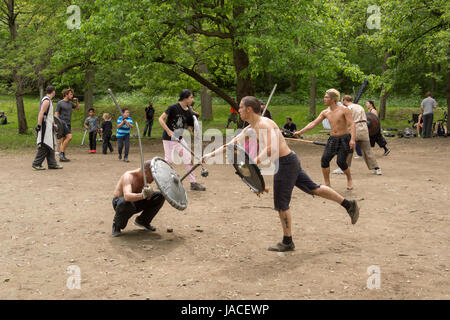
150	111
177	118
106	128
291	127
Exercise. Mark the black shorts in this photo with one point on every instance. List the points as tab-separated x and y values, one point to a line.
290	174
337	145
67	128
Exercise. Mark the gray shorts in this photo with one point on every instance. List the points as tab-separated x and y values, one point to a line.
290	174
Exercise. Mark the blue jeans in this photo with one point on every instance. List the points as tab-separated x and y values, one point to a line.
148	126
125	140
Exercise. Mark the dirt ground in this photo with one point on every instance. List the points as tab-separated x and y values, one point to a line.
51	220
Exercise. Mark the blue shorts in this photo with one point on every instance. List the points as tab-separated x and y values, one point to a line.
290	174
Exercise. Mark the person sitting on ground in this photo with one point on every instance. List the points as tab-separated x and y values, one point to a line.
3	118
131	196
440	129
290	126
419	125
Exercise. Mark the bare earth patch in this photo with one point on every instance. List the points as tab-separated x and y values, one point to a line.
218	248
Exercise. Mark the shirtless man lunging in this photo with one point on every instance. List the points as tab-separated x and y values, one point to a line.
131	197
341	142
289	172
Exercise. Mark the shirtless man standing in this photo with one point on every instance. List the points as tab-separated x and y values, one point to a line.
289	172
340	143
131	197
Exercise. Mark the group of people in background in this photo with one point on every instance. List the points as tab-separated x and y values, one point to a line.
424	124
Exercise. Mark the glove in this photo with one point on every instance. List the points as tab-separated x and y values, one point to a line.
38	128
147	192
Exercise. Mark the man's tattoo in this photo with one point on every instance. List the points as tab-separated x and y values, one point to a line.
286	222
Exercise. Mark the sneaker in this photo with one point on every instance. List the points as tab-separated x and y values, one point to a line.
387	152
62	157
149	227
358	157
281	247
125	160
378	171
38	167
90	151
353	211
94	151
56	167
115	230
197	186
120	157
338	171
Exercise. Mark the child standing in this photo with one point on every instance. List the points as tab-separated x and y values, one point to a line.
106	131
91	124
124	124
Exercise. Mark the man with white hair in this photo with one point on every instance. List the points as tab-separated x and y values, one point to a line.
341	142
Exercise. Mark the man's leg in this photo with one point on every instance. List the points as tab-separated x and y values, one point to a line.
120	147
40	156
145	129
342	163
368	155
350	205
51	160
327	155
126	140
150	126
124	210
149	210
65	142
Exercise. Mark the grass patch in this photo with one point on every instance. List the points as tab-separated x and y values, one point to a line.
10	140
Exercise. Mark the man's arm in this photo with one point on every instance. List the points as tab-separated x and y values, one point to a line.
85	125
349	118
311	125
128	193
77	103
221	149
44	109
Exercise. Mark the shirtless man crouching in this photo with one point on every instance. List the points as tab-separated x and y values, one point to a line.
131	197
289	172
341	142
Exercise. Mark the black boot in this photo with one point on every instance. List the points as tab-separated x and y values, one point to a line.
62	157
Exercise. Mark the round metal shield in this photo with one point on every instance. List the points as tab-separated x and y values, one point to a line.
59	127
373	123
246	168
169	183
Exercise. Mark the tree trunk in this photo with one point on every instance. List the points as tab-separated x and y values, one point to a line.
293	84
312	97
41	91
448	89
22	120
433	79
383	100
384	93
89	83
244	83
205	97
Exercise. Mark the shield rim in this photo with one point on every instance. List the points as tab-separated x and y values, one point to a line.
255	169
172	202
60	127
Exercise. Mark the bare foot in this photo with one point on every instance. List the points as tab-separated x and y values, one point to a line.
350	185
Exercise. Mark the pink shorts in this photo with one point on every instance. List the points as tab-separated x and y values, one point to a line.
173	146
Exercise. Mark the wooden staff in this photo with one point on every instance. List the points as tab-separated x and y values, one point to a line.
307	141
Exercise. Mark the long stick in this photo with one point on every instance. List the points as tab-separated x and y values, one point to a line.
142	154
268	100
319	143
189	172
84	136
115	101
